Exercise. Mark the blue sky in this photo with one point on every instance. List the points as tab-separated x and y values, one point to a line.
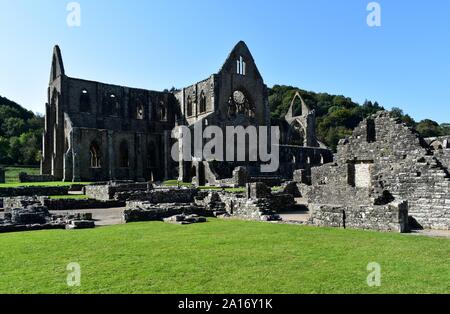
319	45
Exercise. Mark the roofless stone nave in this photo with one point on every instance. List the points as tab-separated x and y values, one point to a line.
96	131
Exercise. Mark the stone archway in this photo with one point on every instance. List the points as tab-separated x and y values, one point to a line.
296	134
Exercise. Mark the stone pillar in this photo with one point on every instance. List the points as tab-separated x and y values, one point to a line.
167	154
240	176
2	175
139	158
68	166
258	190
76	167
111	156
75	155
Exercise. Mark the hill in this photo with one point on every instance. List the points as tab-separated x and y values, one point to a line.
338	115
20	134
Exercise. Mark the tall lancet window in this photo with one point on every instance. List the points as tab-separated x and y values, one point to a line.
241	66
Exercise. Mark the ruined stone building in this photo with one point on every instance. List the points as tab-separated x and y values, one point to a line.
96	131
383	172
237	96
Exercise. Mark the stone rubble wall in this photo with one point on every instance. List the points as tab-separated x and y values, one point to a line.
60	204
34	191
392	217
26	178
160	195
399	163
259	203
444	157
145	211
73	204
37	217
108	191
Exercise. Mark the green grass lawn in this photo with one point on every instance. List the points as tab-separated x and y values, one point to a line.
12	173
222	257
12	178
70	196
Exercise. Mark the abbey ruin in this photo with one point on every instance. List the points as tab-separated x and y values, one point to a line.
384	177
96	131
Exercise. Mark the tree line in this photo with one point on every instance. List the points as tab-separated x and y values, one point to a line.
337	116
20	134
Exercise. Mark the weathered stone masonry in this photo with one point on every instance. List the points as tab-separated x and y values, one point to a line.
383	161
97	132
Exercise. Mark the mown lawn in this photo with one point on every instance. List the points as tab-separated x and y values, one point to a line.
12	173
12	178
222	257
70	196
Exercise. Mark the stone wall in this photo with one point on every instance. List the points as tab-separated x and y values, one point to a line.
145	211
24	177
257	204
391	217
384	157
444	157
159	195
108	191
34	191
71	204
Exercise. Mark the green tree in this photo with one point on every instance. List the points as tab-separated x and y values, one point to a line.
13	127
429	128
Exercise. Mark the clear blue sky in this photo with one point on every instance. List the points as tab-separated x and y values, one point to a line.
318	45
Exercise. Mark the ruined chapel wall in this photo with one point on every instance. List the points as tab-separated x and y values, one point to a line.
398	162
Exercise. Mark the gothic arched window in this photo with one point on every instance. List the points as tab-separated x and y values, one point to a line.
189	107
140	112
124	161
202	102
96	161
85	101
162	111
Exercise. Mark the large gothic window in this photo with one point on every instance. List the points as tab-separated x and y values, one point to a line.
189	107
296	135
162	111
124	161
140	112
239	104
111	105
85	101
297	106
96	161
241	66
202	102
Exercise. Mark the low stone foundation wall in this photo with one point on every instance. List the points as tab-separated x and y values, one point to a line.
159	195
108	191
37	217
34	191
145	211
391	217
72	204
25	177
